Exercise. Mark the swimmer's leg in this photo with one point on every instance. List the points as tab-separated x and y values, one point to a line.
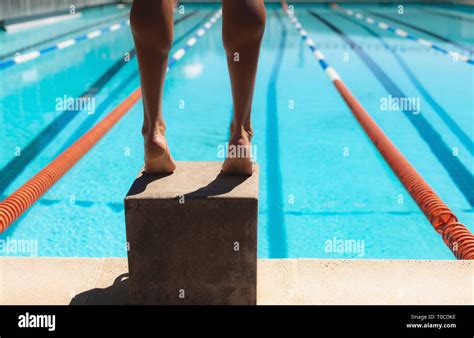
242	32
152	28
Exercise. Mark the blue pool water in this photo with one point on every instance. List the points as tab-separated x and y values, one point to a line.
322	180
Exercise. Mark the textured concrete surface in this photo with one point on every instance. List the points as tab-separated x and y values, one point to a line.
279	281
193	236
333	282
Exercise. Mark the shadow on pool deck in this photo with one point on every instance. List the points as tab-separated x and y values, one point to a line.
115	294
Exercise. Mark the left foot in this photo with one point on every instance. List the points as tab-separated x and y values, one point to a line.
158	159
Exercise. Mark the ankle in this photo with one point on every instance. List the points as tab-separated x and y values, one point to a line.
241	132
154	132
155	145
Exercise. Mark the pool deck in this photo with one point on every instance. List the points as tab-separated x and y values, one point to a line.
56	281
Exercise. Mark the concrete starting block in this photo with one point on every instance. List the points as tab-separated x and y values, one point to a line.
192	237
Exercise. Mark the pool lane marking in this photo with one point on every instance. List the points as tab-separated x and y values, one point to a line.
423	30
22	58
455	235
276	229
460	175
442	113
404	34
16	166
24	197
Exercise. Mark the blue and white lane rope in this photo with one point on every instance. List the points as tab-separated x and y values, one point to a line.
404	34
192	40
21	58
330	72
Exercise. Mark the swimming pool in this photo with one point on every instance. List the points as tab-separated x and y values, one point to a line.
322	181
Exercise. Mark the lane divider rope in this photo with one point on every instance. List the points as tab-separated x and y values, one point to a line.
19	201
456	236
402	33
22	58
25	49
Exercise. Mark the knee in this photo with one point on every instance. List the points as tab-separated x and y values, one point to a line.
149	26
243	27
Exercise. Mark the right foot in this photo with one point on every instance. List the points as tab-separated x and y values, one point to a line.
158	159
241	164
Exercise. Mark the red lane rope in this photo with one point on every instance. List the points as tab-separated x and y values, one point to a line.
18	202
456	236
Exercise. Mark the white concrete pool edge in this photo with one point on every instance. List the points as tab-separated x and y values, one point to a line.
57	281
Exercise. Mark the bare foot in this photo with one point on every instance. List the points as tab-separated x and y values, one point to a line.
158	159
239	159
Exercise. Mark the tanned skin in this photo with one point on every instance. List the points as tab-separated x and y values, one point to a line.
242	31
